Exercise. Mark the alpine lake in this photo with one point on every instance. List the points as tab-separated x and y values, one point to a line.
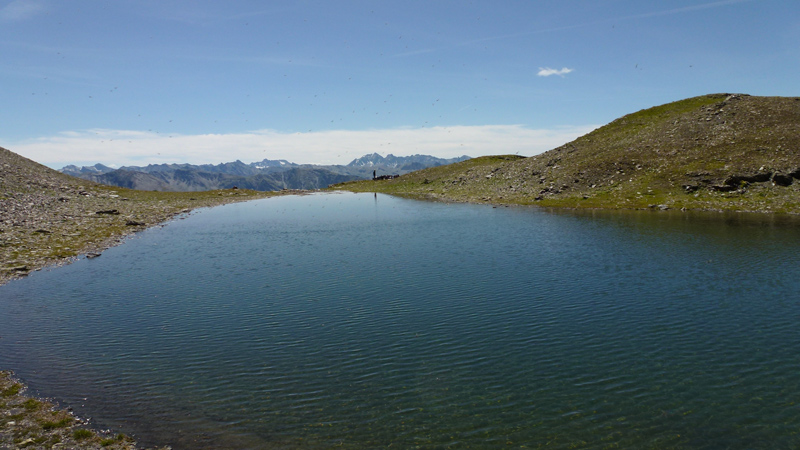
370	321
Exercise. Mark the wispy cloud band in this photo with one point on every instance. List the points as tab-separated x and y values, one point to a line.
20	10
130	147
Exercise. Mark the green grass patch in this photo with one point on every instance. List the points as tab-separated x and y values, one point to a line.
82	434
61	423
32	404
11	391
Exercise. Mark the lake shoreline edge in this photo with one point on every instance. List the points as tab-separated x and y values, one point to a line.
121	441
33	422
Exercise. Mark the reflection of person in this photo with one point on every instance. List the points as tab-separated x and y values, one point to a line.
373	174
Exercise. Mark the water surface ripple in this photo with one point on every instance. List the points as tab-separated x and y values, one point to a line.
367	321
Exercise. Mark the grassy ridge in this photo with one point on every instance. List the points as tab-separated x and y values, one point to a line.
714	152
459	181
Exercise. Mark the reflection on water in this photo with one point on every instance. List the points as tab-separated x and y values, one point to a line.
363	321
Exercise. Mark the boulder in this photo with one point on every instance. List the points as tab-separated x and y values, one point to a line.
782	180
736	180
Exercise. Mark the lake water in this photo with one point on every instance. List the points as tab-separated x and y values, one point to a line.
368	321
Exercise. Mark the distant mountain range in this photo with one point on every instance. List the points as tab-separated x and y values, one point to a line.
266	175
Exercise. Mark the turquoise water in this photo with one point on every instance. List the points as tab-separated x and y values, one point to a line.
368	321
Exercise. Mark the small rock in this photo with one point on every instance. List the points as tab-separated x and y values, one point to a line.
113	212
133	223
92	255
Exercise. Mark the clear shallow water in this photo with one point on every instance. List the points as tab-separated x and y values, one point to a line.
361	321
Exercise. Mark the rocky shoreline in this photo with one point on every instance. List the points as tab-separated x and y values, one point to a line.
48	218
32	423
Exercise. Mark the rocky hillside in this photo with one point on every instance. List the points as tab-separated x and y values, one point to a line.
47	217
714	152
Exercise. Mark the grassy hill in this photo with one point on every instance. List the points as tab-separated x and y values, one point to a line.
714	152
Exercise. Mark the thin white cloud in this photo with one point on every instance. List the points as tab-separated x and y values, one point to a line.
546	71
685	9
130	147
20	10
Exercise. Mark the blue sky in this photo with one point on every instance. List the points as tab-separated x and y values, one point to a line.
140	81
